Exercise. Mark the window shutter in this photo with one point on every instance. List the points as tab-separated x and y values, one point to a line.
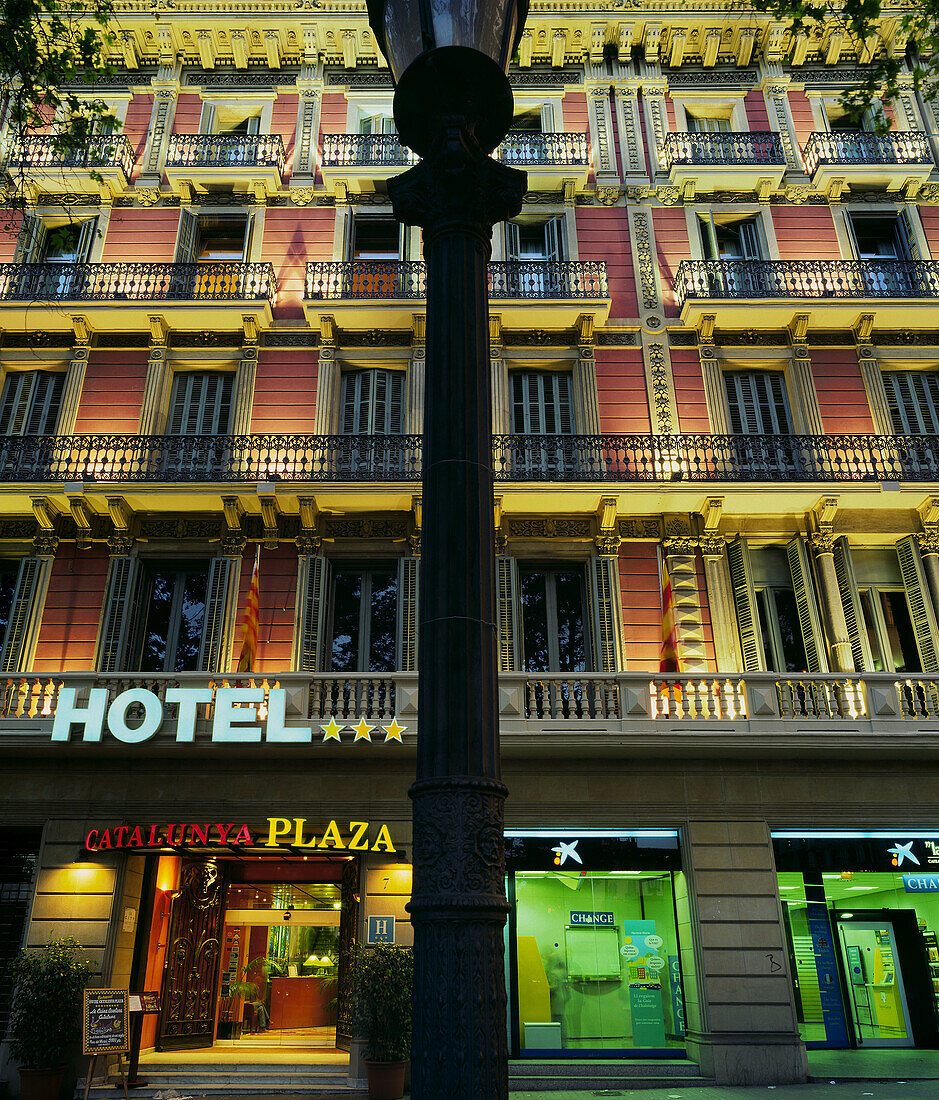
179	402
21	611
311	613
751	642
351	382
913	400
552	239
921	609
905	238
186	240
14	404
86	240
113	635
602	580
254	125
408	575
757	403
31	238
46	399
207	119
518	425
377	421
813	639
507	578
751	245
512	243
250	226
200	403
851	602
395	402
216	598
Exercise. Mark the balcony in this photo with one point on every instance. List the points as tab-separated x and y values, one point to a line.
754	293
47	167
891	160
250	161
122	296
735	161
533	293
360	160
584	714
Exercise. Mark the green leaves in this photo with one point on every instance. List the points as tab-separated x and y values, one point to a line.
45	1019
383	981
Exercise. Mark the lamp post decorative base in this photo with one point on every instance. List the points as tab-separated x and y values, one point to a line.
458	905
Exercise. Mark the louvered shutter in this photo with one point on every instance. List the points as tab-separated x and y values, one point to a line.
207	119
513	245
113	635
379	409
14	404
213	626
851	602
200	403
921	609
757	403
312	589
408	575
602	580
751	243
913	400
21	611
395	423
29	243
188	235
813	639
86	240
748	624
45	402
351	387
507	578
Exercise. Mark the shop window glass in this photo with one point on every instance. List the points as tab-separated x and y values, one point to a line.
172	607
553	637
19	849
364	614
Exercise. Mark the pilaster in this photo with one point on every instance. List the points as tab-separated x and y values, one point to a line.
586	398
823	547
802	380
414	412
310	95
720	603
712	376
928	540
166	87
327	378
600	116
680	560
74	376
499	378
775	88
653	94
245	375
626	97
150	406
871	375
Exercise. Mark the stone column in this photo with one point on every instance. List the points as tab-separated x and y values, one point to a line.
929	551
721	603
842	656
680	553
747	1032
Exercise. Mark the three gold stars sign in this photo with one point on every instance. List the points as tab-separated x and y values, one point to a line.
362	730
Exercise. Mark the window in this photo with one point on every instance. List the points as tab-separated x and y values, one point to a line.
9	572
881	237
375	239
211	238
372	402
377	123
527	121
700	124
200	403
172	609
913	399
756	401
739	239
364	609
889	630
780	630
227	120
542	403
533	240
553	633
43	241
29	403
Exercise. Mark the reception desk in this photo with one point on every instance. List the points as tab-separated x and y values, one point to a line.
302	1002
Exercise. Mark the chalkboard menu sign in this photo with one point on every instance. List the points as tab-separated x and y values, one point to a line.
104	1021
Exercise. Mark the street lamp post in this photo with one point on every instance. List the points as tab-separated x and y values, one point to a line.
453	105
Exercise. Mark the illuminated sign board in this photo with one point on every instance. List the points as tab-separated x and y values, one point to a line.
136	715
281	832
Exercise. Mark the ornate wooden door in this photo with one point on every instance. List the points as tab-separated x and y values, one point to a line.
190	976
348	922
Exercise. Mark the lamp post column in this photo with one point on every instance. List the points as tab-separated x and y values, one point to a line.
458	905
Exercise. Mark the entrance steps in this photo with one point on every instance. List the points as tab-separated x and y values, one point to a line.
229	1079
603	1075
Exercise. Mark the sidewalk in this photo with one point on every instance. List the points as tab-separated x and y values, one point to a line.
867	1090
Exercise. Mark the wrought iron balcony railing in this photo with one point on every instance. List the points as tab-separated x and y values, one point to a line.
386	150
735	279
45	151
723	149
226	151
396	279
855	147
208	282
674	459
735	704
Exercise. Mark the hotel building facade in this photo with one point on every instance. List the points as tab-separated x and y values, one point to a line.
712	352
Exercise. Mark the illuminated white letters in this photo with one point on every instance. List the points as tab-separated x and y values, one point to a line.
91	717
188	699
228	717
152	716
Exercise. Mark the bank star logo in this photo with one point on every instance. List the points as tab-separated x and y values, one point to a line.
900	852
563	851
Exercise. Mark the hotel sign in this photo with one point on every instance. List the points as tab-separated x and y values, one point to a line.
136	715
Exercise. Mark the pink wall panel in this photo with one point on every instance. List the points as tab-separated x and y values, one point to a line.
113	391
334	115
291	237
575	113
805	233
284	391
9	231
842	398
277	582
641	594
689	391
755	106
137	126
671	246
72	612
670	113
188	113
621	391
930	216
801	111
284	122
602	235
145	236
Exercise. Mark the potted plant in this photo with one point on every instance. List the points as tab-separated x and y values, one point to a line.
45	1017
383	982
229	1026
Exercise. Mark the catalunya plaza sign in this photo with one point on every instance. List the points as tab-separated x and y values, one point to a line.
136	715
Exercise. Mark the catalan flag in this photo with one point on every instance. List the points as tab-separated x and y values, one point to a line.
669	661
249	644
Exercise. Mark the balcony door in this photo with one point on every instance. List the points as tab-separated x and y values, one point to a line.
171	606
29	403
363	618
698	124
200	403
553	605
377	246
534	247
884	245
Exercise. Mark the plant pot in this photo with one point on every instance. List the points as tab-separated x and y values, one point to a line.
41	1084
385	1080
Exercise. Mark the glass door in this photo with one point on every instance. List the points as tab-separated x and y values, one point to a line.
875	984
